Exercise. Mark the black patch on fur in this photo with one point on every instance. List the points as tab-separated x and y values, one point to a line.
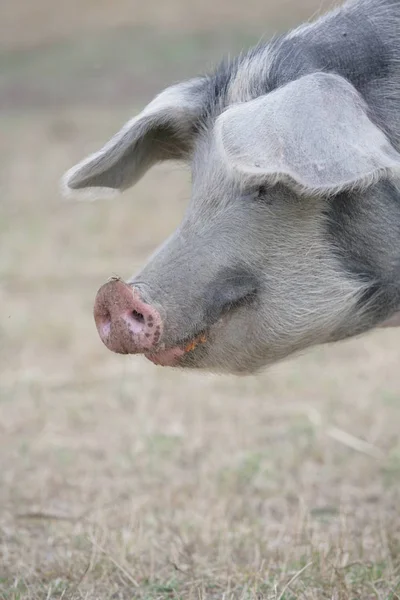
346	43
233	287
362	229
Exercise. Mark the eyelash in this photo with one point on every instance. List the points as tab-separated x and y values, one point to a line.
261	193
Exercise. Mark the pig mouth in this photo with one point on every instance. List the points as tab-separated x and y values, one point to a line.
174	355
188	350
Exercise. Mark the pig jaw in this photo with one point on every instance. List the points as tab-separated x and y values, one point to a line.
171	357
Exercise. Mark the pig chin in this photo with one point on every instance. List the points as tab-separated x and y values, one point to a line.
213	351
177	355
190	353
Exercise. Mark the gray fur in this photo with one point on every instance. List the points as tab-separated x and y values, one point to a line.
162	131
314	131
291	237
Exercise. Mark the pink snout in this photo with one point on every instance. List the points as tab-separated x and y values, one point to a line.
126	324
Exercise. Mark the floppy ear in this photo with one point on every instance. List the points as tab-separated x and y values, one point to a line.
163	130
314	132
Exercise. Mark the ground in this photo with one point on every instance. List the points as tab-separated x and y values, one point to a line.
122	480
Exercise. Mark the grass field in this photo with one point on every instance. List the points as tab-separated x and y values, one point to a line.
120	480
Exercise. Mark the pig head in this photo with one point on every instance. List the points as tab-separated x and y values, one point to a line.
292	234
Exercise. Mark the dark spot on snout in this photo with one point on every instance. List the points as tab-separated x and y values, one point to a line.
233	287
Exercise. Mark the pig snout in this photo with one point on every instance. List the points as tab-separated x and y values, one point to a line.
126	324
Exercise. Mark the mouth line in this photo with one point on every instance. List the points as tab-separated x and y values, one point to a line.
200	336
173	354
183	346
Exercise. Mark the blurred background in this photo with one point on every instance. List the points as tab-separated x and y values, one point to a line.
122	480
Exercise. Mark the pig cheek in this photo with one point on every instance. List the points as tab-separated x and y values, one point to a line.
214	356
234	350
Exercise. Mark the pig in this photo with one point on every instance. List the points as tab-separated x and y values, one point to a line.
291	237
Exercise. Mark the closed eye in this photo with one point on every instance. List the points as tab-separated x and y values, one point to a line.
261	193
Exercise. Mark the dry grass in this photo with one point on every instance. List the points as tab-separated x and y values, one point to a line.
122	480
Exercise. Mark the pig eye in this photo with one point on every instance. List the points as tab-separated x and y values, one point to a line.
261	193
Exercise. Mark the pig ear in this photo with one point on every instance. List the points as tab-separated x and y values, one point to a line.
163	130
314	132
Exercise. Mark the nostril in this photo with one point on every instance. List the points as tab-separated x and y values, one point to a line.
138	316
136	320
